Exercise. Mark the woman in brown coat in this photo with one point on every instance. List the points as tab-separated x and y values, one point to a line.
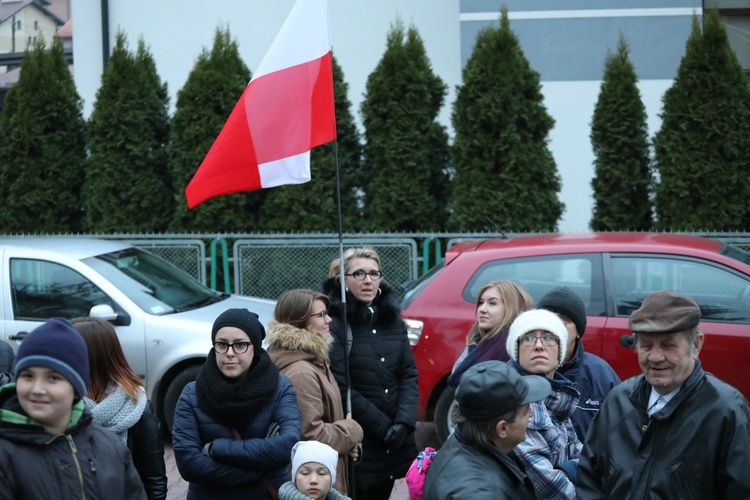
298	343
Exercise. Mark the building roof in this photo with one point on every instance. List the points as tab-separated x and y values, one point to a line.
9	8
66	31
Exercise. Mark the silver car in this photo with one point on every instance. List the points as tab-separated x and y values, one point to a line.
162	316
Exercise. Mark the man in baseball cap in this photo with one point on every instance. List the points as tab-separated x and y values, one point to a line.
493	412
675	431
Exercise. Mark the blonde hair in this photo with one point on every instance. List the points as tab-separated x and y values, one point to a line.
515	299
353	253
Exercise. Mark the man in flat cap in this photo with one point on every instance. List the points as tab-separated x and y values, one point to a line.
477	460
675	431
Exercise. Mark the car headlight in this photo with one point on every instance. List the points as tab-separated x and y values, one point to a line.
414	330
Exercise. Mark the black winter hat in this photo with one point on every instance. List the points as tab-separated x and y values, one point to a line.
56	345
563	300
244	320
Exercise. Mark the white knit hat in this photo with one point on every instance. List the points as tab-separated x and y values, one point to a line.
314	451
537	319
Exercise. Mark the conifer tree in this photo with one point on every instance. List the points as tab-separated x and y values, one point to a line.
126	187
204	103
702	151
504	169
406	153
313	206
619	136
42	146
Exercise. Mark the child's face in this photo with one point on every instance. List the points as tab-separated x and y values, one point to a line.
313	480
46	396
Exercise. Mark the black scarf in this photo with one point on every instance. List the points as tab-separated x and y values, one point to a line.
231	402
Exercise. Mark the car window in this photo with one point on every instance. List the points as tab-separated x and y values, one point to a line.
582	273
43	289
721	294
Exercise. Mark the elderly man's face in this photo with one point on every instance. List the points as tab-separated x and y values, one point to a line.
667	360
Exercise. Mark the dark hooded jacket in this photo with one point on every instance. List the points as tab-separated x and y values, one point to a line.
383	379
695	447
87	461
594	378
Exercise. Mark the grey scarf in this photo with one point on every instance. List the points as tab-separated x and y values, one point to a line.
118	412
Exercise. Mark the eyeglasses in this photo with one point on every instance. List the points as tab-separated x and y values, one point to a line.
547	340
360	275
237	347
322	314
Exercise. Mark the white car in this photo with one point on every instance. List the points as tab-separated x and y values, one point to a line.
162	316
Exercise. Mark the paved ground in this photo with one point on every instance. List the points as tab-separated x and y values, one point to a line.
178	487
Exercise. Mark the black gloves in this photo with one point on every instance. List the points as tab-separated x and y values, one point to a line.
396	435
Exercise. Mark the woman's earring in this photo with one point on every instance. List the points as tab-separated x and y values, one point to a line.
346	288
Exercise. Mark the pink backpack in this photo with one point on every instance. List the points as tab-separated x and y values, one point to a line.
416	474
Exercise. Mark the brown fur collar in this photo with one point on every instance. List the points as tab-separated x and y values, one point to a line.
295	339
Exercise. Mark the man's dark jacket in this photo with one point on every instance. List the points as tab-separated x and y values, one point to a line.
461	471
594	378
695	447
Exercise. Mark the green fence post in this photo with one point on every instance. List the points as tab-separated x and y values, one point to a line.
225	263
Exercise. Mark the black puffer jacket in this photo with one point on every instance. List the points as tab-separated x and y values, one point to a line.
144	443
88	461
383	377
695	447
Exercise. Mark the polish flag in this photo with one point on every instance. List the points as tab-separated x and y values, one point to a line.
286	110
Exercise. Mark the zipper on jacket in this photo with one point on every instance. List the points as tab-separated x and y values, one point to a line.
78	466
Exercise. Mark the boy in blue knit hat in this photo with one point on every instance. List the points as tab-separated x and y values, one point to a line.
49	446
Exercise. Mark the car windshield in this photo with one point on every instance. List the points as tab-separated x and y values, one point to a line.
155	285
735	253
413	291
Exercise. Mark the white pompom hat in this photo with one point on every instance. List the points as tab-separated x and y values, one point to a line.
537	319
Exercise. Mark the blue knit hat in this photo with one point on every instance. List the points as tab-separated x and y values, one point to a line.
56	345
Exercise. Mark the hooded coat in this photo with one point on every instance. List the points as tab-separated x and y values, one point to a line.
302	355
87	461
383	379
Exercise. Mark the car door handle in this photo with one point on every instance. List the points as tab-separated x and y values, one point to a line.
628	341
18	336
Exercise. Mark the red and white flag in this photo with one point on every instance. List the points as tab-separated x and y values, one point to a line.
286	110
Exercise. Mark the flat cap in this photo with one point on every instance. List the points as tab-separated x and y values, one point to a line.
665	312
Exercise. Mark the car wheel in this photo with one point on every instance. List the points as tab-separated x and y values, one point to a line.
175	389
443	411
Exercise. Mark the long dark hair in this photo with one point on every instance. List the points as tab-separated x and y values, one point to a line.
294	306
107	363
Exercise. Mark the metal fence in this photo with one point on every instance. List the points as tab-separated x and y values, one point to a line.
267	265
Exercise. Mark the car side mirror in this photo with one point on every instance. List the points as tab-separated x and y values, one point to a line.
103	311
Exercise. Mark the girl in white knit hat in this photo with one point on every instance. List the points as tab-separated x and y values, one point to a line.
536	344
313	473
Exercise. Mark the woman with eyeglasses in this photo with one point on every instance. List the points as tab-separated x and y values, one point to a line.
537	342
298	343
382	371
235	426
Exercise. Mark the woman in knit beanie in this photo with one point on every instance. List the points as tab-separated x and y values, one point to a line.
118	402
235	426
537	344
49	446
298	343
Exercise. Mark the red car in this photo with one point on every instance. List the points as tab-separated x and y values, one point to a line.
611	272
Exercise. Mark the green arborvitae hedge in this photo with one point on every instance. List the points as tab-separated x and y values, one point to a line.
619	136
504	169
702	151
212	90
127	187
406	152
42	146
